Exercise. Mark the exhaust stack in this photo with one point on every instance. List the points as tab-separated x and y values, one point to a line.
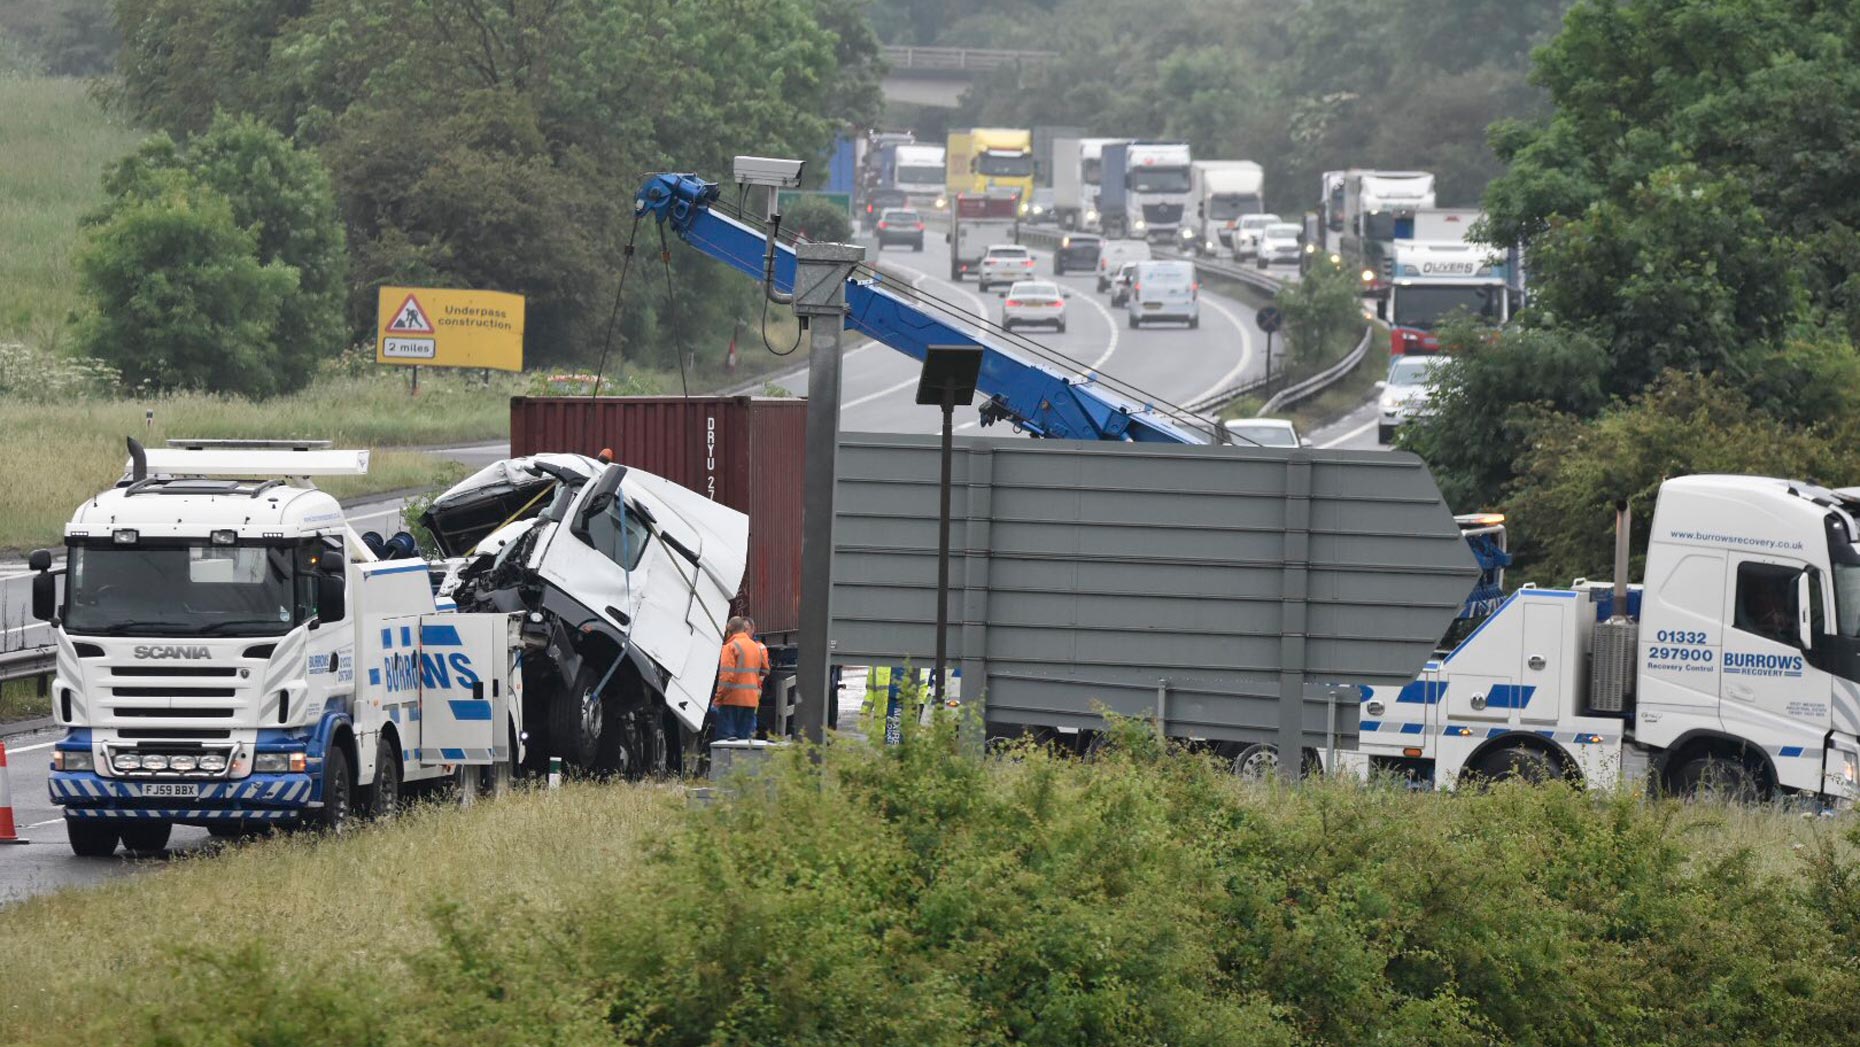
138	460
1615	646
1624	518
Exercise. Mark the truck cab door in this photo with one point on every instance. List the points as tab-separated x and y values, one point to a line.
683	609
588	557
1772	692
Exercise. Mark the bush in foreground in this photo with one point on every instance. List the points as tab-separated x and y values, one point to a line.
916	896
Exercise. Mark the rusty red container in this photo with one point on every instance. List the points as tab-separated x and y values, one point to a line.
743	451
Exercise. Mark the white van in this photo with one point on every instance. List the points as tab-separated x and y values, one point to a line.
1112	255
1164	291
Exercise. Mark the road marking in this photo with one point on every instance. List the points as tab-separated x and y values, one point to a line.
1351	435
41	825
848	405
1111	347
1246	351
32	748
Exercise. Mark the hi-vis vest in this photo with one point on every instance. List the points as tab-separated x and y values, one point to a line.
740	669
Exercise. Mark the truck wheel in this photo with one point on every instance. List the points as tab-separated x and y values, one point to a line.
382	799
1385	433
338	793
1517	763
575	722
1256	762
91	839
144	838
1713	777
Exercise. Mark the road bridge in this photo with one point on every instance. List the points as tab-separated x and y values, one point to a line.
937	76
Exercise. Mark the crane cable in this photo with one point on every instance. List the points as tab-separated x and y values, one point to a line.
607	343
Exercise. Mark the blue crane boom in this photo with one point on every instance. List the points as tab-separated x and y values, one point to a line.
1040	400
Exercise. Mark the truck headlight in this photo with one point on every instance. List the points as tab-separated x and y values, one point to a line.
213	763
941	203
1140	225
278	763
1188	234
127	762
182	763
154	762
73	760
1091	216
1850	767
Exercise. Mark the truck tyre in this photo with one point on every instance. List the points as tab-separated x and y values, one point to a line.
1517	763
144	838
1384	433
576	718
91	839
1719	777
338	793
1256	762
382	799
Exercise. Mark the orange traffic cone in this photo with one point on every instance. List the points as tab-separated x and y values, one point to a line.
7	833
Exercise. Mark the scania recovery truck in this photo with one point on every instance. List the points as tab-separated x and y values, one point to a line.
231	655
1734	666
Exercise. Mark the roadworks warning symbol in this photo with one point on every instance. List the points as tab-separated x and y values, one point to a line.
409	319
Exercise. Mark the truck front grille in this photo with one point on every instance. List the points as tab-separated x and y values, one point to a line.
1162	214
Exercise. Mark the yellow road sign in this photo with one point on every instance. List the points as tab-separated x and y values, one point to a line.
447	327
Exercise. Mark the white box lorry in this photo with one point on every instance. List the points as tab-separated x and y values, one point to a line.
1219	192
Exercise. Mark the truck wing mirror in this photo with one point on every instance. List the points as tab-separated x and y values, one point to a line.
40	560
596	501
44	596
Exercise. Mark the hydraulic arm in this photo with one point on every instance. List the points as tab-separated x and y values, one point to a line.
1040	400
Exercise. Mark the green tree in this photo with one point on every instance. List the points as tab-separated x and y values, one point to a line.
1575	469
179	298
1323	318
818	219
280	195
1490	397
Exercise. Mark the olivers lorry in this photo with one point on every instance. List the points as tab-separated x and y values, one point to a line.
230	654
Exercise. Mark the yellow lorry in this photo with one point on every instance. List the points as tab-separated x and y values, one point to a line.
985	158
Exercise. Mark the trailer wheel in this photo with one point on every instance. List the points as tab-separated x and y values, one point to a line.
91	839
338	793
1256	762
1715	777
382	799
145	838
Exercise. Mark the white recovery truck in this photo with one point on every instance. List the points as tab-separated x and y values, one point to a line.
230	654
1735	667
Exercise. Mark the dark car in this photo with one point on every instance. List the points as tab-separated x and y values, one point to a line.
1078	252
899	226
878	201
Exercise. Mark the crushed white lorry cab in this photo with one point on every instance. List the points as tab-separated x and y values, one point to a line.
231	655
1734	667
623	582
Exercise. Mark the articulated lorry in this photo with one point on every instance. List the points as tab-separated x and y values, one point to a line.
988	159
231	655
1078	165
917	171
1220	191
1369	211
1734	666
1144	191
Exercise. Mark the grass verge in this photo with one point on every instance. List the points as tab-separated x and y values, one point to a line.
915	895
21	700
54	144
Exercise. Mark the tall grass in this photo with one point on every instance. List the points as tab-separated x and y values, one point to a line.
58	454
54	144
915	895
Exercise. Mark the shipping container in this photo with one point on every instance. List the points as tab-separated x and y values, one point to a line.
743	451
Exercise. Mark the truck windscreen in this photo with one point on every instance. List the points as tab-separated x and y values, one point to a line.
1089	169
920	175
1004	165
1425	307
1159	180
182	589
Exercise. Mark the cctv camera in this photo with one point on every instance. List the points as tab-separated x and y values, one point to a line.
769	171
